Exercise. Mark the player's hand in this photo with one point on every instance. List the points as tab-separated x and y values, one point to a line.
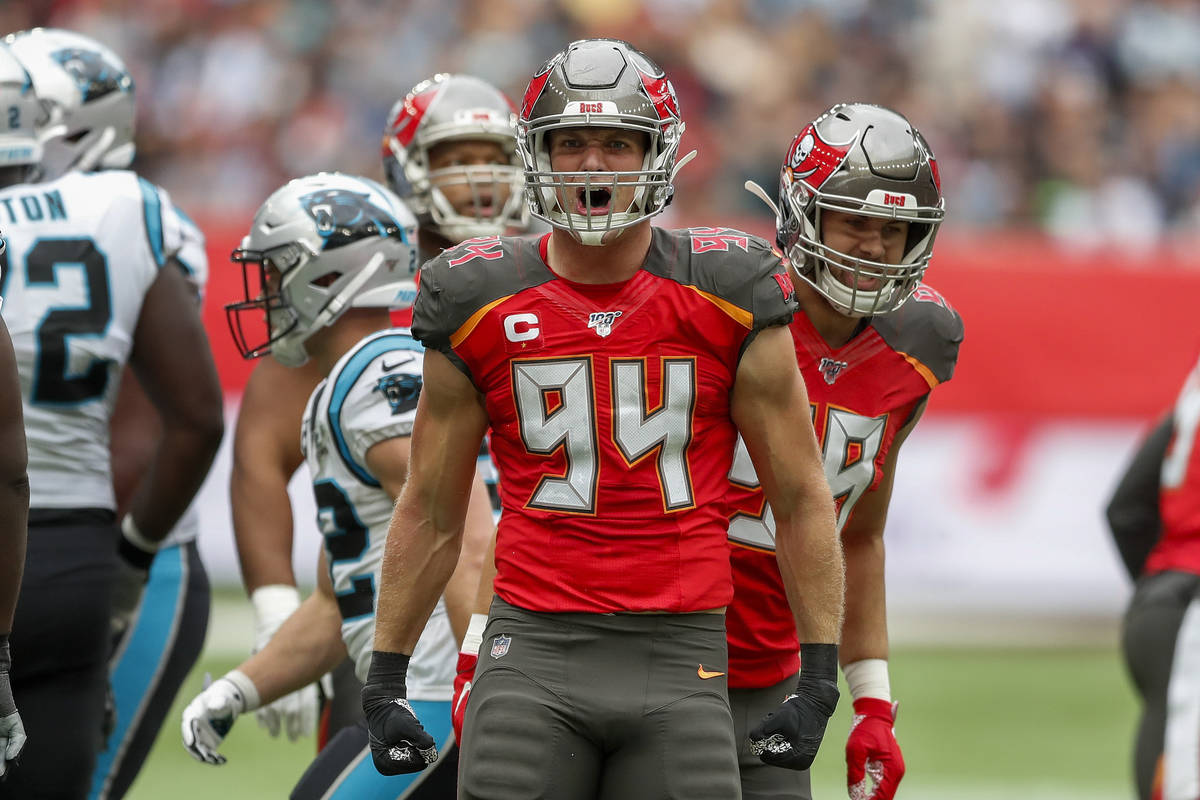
135	554
462	692
874	764
210	716
399	744
295	713
790	735
12	731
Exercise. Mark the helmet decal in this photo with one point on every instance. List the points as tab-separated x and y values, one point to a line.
534	90
343	216
412	111
812	159
95	76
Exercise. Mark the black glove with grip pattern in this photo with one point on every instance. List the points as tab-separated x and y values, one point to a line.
790	735
399	743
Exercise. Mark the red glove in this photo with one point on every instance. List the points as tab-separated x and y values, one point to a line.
874	764
462	692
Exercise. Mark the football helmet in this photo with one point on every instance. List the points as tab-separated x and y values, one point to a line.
22	112
455	108
858	159
318	246
603	83
90	93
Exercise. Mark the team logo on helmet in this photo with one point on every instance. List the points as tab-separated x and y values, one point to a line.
401	391
811	159
93	73
343	216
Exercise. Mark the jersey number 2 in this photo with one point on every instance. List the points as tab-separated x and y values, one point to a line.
52	383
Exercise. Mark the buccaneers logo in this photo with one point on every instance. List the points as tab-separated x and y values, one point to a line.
811	159
343	217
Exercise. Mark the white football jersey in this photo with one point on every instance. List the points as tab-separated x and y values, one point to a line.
82	252
368	397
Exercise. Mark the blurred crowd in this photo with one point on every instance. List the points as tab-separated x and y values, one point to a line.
1080	118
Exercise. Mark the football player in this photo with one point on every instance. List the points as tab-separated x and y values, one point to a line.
1154	515
449	151
334	253
90	289
615	363
859	206
90	95
14	515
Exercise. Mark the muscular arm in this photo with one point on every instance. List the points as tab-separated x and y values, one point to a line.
478	552
864	633
770	408
1132	512
307	645
174	366
266	451
14	483
426	532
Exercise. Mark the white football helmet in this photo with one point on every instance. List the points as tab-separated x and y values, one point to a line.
318	246
90	93
21	114
449	108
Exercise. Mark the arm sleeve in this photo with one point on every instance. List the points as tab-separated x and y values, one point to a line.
1133	514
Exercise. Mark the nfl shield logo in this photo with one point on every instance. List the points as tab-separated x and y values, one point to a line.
500	645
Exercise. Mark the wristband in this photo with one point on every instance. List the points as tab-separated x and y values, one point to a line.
868	678
5	656
276	600
246	687
388	669
473	640
818	662
134	547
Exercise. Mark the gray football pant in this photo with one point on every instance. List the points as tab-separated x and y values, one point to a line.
762	781
599	707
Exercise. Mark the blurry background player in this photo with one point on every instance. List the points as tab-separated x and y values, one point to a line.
89	290
859	206
611	359
335	253
90	127
14	514
1155	519
449	152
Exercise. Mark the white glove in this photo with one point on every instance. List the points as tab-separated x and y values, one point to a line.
12	739
296	712
210	716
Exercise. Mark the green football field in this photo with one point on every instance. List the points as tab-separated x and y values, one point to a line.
976	724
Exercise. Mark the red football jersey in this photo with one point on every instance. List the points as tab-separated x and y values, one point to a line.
1178	546
861	395
609	407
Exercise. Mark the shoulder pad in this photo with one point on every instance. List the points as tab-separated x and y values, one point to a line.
466	278
926	330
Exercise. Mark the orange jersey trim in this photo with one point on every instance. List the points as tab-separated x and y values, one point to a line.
921	369
465	329
739	315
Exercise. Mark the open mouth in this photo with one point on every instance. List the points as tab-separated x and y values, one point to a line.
592	202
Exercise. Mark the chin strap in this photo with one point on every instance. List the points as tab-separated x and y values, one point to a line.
756	190
331	311
680	165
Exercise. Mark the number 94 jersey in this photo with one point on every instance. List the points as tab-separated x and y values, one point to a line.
609	407
369	396
861	395
82	252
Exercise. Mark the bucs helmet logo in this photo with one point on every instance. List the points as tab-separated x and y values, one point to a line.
811	159
95	76
343	217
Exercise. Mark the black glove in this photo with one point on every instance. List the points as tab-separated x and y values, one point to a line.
790	735
398	742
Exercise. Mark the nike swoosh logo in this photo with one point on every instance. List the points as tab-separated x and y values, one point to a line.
706	674
389	367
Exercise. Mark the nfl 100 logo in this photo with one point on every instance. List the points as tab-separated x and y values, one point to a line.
500	646
603	321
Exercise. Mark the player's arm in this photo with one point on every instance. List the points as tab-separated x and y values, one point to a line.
14	516
770	408
422	551
307	645
864	650
1133	514
266	453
